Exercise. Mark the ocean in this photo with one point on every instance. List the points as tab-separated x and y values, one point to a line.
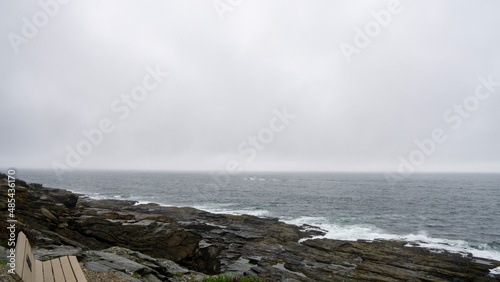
454	212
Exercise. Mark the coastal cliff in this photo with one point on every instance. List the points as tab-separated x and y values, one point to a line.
149	242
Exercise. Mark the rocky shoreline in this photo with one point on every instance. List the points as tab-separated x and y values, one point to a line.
149	242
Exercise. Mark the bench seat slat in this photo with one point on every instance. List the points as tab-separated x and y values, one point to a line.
57	269
80	277
47	271
38	271
67	270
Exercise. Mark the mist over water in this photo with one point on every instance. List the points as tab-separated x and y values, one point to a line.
458	212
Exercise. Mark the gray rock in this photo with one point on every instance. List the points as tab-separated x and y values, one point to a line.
151	277
116	262
49	215
51	238
50	252
97	266
172	267
208	259
4	252
160	267
110	204
153	238
134	256
239	266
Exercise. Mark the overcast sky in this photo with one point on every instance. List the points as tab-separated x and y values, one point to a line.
233	67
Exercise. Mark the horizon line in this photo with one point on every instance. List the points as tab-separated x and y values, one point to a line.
253	171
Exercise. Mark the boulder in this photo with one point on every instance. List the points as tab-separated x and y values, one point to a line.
64	197
207	258
54	251
136	264
96	260
153	238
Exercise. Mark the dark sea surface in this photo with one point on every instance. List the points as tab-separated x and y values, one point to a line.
457	212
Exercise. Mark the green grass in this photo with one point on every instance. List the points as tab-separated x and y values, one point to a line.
229	278
3	262
4	243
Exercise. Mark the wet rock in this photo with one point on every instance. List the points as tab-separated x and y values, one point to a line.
171	267
156	217
152	278
66	198
134	263
106	260
50	252
117	216
149	237
49	215
97	266
207	258
4	252
114	205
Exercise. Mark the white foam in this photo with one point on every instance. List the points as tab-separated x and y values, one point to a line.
223	209
96	196
495	271
148	202
370	233
259	213
142	203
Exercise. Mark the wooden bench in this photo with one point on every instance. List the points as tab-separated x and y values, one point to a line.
29	269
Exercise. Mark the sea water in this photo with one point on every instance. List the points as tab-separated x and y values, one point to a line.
455	212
